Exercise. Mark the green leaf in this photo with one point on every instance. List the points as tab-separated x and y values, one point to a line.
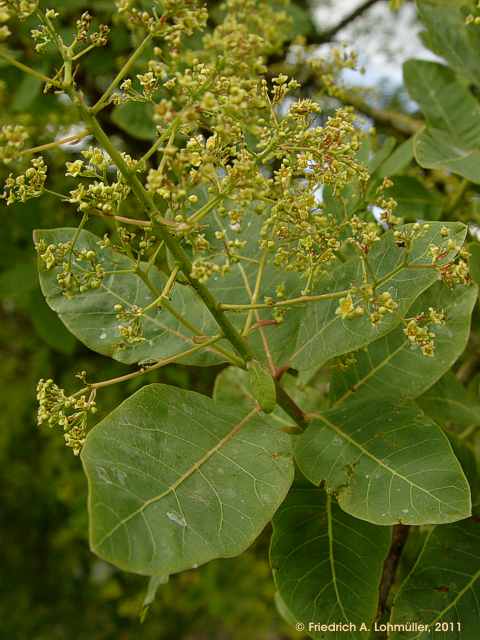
262	386
28	89
282	609
377	159
449	403
322	334
90	316
398	161
449	37
474	261
176	479
390	368
414	200
48	326
435	149
444	585
136	119
387	463
445	101
452	138
327	565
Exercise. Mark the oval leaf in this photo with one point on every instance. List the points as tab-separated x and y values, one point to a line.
444	584
391	368
387	464
176	480
91	316
327	565
323	334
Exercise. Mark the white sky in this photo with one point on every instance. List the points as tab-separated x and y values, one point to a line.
383	39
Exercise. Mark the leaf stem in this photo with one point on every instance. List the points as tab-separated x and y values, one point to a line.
157	365
146	224
256	291
240	308
121	74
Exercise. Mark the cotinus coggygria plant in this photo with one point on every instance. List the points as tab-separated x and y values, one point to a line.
230	218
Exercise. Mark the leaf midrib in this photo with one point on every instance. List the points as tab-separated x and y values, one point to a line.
172	488
370	455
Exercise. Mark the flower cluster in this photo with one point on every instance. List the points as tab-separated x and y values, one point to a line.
387	204
21	9
97	38
70	413
418	330
455	273
228	132
378	305
79	270
28	185
131	331
99	194
474	18
347	308
178	18
12	140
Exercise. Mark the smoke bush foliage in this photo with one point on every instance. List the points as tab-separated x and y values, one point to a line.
237	232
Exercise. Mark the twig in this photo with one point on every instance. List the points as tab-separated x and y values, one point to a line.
55	143
121	74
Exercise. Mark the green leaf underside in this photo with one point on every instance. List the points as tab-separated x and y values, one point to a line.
176	480
326	565
391	368
387	463
449	404
434	149
444	584
91	317
310	335
452	137
323	335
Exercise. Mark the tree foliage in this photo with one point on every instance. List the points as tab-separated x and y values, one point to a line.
221	214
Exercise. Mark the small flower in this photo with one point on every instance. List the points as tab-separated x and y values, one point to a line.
347	309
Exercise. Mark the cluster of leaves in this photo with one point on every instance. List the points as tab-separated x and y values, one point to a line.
242	234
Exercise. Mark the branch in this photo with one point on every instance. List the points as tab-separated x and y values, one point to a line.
399	539
329	34
400	122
